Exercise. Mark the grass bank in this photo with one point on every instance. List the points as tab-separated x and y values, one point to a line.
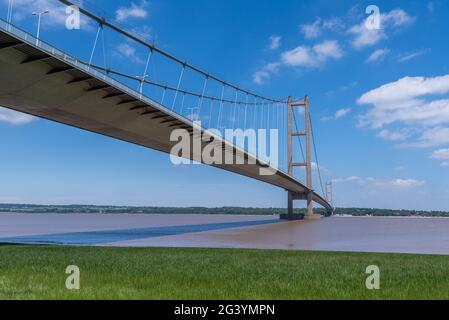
38	272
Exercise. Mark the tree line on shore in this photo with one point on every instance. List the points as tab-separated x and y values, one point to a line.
86	209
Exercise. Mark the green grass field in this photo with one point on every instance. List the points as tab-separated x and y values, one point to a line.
38	272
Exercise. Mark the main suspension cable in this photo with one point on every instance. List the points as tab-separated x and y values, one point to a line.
145	43
164	86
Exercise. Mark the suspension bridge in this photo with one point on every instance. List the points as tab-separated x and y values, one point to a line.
95	92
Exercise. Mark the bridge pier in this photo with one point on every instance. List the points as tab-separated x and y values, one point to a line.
291	216
309	204
292	196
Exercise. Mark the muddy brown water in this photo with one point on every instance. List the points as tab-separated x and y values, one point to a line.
358	234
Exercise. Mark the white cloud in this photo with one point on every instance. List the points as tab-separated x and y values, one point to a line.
412	55
129	52
388	135
410	112
433	137
134	11
441	154
315	29
300	56
406	103
328	49
396	18
126	50
275	42
333	24
364	37
261	76
316	55
406	88
403	183
378	55
311	31
339	114
14	117
304	56
397	183
403	101
348	179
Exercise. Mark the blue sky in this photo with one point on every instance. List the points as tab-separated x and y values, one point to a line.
379	102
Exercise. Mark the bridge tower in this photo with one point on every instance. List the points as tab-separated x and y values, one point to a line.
308	162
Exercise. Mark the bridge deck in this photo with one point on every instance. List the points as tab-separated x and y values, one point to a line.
40	80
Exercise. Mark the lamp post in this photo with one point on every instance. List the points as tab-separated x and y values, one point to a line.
141	82
145	75
39	17
9	18
10	3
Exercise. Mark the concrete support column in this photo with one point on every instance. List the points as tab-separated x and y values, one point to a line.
290	204
309	204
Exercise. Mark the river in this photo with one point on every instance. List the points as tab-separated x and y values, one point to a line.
355	234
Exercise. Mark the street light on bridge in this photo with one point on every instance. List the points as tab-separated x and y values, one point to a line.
10	6
141	80
39	17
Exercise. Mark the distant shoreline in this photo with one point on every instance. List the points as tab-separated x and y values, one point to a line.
397	217
223	214
92	209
